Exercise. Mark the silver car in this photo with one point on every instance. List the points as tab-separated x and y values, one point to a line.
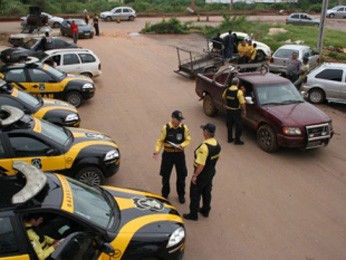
123	13
278	61
326	82
302	19
53	21
337	12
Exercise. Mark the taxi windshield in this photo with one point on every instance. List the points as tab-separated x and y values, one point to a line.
59	134
55	72
30	100
94	204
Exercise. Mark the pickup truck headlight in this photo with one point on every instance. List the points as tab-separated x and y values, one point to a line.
111	155
71	117
88	86
291	131
177	236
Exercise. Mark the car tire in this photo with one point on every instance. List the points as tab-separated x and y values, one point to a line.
92	176
87	74
56	25
131	18
108	18
261	56
209	106
331	15
266	139
74	98
316	96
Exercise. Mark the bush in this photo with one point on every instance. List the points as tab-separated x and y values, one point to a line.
172	26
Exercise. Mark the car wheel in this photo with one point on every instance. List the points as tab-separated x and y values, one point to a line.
108	18
208	106
92	176
316	96
261	56
56	25
74	98
266	139
331	16
87	74
131	18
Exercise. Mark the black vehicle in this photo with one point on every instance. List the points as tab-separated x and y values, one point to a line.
84	30
55	111
104	223
33	47
86	155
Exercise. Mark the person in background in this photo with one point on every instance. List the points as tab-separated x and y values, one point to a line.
217	45
47	42
253	54
302	73
86	17
242	51
205	158
235	106
174	138
96	24
44	246
293	67
74	31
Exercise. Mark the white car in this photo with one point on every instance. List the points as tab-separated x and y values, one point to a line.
30	32
337	12
73	61
123	13
278	62
263	50
53	21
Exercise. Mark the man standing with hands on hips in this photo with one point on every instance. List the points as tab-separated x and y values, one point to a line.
174	138
206	157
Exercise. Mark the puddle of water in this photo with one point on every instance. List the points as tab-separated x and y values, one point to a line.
134	34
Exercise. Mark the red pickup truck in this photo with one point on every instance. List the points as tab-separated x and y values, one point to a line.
275	109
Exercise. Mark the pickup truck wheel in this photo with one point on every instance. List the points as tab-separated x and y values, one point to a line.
208	106
316	96
74	98
90	175
266	139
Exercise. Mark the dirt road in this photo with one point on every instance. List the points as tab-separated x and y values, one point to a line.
288	205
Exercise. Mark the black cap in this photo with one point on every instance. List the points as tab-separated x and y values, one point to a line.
177	115
210	128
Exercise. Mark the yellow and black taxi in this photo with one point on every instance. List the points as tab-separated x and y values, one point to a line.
85	155
55	111
45	81
92	222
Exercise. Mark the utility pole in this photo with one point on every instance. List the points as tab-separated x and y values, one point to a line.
322	21
193	5
230	5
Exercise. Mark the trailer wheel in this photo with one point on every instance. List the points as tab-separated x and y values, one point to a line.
209	106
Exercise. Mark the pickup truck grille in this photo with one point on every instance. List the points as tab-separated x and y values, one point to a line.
317	135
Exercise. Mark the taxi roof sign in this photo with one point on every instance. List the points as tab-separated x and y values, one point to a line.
35	182
15	114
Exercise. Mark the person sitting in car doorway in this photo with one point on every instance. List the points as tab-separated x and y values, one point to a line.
43	245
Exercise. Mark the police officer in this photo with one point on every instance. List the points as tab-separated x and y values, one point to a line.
96	24
174	138
44	246
206	157
235	105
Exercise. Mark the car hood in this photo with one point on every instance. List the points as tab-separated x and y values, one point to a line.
106	13
298	114
58	104
22	35
81	134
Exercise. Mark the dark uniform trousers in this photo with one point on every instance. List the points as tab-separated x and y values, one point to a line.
234	117
202	188
170	159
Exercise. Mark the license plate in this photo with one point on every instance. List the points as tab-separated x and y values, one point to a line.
86	34
314	143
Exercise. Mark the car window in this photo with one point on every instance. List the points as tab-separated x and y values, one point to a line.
26	146
37	75
118	11
330	74
126	10
57	59
70	59
16	75
295	16
8	243
284	53
87	58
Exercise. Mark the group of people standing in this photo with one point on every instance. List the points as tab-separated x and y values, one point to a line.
297	70
229	46
174	138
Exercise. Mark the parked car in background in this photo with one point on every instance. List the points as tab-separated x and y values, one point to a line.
278	61
84	30
263	50
30	32
74	61
123	13
53	21
302	19
33	47
275	109
326	82
45	81
337	12
55	111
